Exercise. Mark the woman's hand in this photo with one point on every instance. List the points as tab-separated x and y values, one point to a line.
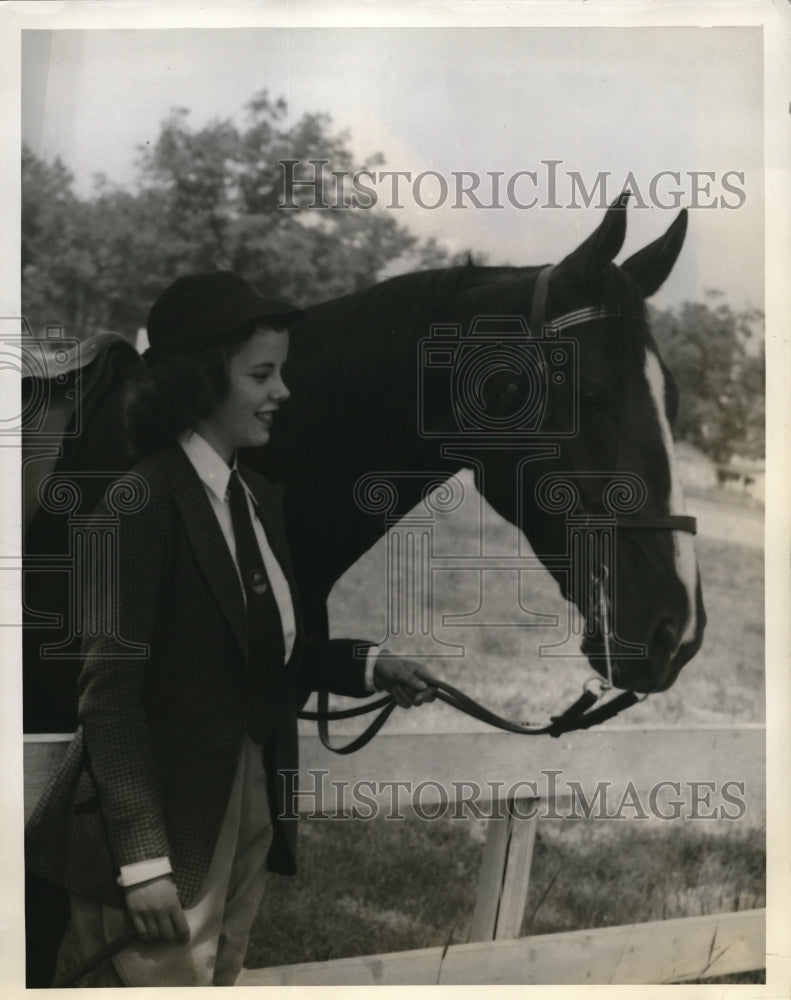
156	911
407	681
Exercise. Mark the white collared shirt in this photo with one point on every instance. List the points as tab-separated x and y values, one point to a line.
215	475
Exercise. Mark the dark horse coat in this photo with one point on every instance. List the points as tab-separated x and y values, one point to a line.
151	766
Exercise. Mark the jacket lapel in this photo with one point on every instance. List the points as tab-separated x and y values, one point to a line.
207	540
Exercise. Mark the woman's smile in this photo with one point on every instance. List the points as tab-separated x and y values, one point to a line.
255	374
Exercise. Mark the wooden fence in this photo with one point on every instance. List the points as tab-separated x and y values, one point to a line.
517	779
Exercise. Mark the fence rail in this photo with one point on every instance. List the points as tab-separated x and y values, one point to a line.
496	762
665	951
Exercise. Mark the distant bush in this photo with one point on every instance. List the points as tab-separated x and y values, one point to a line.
717	358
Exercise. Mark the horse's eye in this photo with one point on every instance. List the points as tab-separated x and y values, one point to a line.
591	401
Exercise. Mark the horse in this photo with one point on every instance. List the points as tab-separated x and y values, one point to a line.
546	381
72	450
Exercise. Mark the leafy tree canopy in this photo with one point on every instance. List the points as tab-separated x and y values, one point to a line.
717	357
205	199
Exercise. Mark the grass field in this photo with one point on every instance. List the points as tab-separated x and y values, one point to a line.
378	887
369	887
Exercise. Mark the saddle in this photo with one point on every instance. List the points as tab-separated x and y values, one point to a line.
63	387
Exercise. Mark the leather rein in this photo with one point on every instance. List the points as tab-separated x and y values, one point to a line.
590	708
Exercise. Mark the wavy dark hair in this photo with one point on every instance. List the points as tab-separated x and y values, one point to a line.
169	395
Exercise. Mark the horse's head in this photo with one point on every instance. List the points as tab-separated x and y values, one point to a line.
602	506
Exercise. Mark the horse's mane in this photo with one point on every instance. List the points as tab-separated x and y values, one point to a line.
374	320
405	297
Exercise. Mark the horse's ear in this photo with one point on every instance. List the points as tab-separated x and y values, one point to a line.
650	266
586	263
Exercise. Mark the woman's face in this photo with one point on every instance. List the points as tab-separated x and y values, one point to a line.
244	417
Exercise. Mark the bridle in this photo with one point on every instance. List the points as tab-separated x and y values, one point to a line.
538	319
590	708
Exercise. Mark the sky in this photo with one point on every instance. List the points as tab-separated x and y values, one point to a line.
451	100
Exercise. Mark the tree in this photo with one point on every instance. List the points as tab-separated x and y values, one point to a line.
225	192
57	267
205	199
717	358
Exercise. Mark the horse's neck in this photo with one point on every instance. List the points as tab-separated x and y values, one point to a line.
350	430
345	490
354	421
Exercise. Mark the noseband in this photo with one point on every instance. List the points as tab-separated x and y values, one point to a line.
538	318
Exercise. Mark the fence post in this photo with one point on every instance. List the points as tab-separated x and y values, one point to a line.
505	871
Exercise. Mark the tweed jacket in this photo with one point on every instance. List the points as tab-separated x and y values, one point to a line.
164	695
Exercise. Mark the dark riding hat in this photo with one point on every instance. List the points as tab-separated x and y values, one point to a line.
202	309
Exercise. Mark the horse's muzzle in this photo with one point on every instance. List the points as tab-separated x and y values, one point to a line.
656	671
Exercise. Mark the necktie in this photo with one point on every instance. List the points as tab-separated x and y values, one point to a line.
265	629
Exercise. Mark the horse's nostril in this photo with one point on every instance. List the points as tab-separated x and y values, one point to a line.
665	638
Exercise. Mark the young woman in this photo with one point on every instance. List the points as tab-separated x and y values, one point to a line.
171	799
